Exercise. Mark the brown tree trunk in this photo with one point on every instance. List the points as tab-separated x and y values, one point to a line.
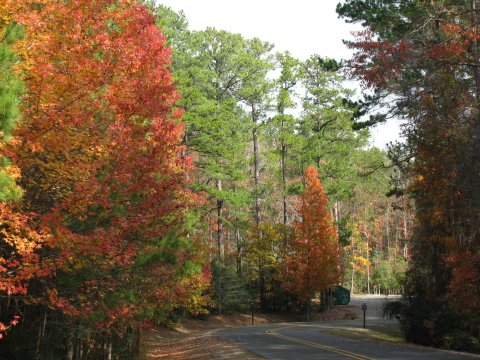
239	250
256	168
220	246
220	224
353	267
368	248
308	309
283	156
41	336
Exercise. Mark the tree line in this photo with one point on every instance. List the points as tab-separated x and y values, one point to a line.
151	172
420	59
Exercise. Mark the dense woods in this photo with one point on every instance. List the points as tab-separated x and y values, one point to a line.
422	58
150	172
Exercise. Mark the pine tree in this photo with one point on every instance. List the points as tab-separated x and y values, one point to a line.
10	94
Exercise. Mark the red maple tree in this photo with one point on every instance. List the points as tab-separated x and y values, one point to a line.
98	149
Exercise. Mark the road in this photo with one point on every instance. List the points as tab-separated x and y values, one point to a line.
311	341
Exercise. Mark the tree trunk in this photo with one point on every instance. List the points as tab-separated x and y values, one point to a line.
220	224
308	309
336	212
476	69
239	250
138	343
323	302
75	343
256	168
184	155
41	336
405	235
387	225
284	178
261	286
109	349
220	245
353	267
211	226
70	346
368	248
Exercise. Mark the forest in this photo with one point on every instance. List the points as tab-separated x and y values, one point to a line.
150	172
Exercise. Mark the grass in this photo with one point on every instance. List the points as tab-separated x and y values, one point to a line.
389	333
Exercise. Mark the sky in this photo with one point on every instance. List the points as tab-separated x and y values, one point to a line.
303	27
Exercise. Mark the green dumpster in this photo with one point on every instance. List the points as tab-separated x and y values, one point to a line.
341	295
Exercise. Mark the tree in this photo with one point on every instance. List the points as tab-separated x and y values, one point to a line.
222	77
313	262
19	243
10	93
328	139
98	148
263	256
285	124
255	95
422	58
357	259
19	262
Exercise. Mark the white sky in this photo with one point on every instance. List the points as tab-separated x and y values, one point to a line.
303	27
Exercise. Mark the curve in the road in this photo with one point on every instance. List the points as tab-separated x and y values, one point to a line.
316	345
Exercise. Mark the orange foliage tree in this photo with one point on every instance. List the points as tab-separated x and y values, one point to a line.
19	260
313	260
101	167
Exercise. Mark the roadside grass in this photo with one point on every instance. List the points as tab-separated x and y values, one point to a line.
390	333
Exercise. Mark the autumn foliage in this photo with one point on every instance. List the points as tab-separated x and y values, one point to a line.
104	228
101	169
313	263
428	62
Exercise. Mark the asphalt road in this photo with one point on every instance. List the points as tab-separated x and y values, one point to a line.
311	341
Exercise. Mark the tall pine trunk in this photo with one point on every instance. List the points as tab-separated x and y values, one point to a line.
368	248
256	168
220	246
284	178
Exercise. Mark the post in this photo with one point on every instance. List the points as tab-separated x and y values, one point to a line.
252	308
364	308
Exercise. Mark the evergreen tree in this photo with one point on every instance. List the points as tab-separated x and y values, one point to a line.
10	94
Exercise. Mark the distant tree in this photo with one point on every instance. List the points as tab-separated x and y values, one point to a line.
263	257
327	138
312	263
284	124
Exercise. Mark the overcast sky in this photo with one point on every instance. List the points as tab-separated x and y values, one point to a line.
303	27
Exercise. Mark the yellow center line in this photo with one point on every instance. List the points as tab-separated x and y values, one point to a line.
315	345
